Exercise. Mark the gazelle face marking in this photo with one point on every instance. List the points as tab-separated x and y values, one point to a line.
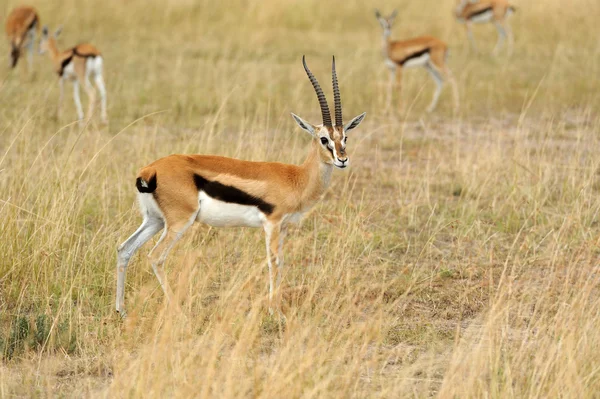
333	141
386	22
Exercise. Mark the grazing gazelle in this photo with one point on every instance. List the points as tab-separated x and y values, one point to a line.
484	11
77	64
21	26
424	51
178	190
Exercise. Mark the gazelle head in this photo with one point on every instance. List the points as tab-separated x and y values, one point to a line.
331	138
47	40
386	22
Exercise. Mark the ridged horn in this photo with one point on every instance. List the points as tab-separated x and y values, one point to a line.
320	95
337	99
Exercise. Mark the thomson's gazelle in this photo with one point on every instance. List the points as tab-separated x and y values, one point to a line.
178	190
77	64
425	51
484	11
21	26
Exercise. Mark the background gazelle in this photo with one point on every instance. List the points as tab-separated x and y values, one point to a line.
77	64
424	51
178	190
484	11
21	26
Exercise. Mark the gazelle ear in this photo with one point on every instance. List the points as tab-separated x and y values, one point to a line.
393	16
304	124
45	30
58	31
377	14
354	122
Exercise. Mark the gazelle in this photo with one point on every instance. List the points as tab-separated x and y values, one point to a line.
484	11
424	51
21	26
178	190
77	64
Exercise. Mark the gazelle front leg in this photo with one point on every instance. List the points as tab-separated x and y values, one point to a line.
272	242
61	86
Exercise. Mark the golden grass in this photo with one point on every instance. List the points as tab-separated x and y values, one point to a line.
457	257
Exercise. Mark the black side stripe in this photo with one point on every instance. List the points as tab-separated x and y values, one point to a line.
231	194
413	56
64	64
480	12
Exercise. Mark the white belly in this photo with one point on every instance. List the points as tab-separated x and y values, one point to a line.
69	71
483	17
224	214
417	61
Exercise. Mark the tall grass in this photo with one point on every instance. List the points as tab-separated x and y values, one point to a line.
457	257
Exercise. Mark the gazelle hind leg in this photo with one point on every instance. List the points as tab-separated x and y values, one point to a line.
501	37
102	89
91	93
125	251
439	82
449	76
77	100
160	252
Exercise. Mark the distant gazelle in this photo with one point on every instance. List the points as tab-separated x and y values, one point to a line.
424	51
178	190
21	26
77	64
484	11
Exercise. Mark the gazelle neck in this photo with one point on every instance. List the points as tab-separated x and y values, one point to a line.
386	36
53	51
318	173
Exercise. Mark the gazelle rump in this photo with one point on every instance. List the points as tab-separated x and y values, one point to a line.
178	190
485	11
424	51
21	26
77	64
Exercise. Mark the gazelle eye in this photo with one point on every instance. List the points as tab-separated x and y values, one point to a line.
324	140
345	139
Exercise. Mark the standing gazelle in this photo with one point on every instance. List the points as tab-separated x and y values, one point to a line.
21	26
484	11
77	64
178	190
424	51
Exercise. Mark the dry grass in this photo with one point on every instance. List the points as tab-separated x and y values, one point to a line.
458	257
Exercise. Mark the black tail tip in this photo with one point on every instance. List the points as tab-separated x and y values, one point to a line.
146	186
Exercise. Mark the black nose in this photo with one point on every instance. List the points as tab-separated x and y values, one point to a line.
343	160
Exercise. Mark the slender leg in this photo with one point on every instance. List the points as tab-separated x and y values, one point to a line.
449	76
61	85
282	234
126	250
91	93
501	37
439	81
390	91
161	251
77	101
471	37
511	38
102	90
398	85
30	51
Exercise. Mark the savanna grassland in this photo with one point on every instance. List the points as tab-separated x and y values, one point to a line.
457	257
